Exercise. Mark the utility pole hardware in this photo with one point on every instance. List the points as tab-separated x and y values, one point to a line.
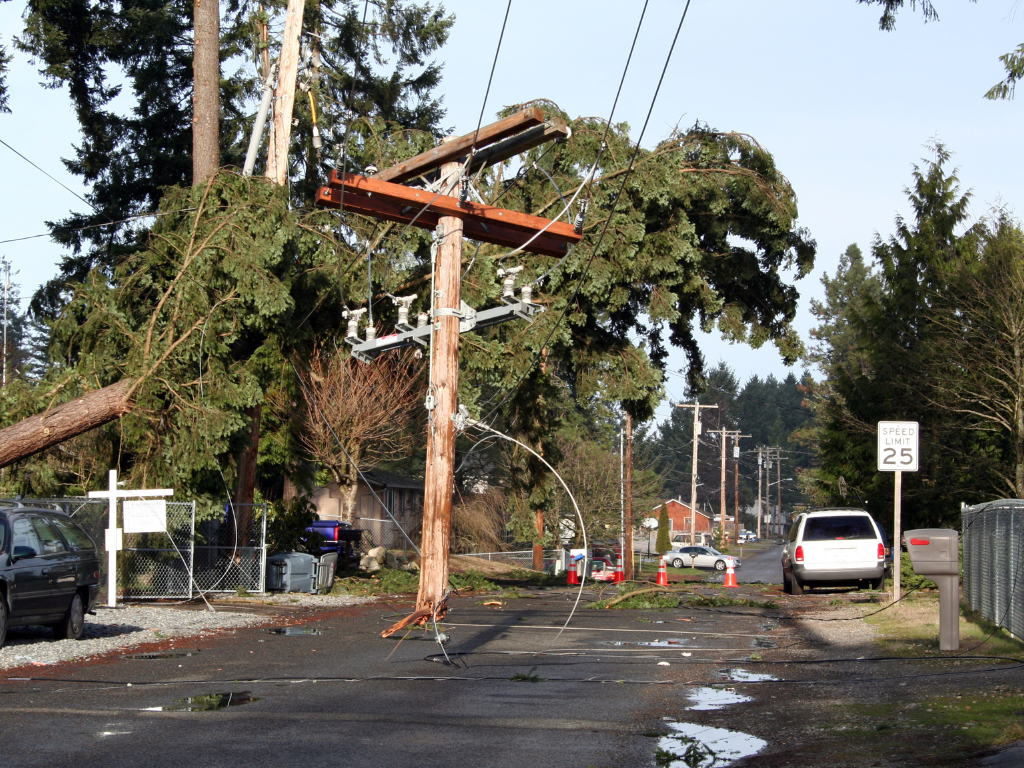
453	218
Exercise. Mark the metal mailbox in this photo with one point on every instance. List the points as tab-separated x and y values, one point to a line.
935	552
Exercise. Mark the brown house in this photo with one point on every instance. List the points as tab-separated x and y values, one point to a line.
402	495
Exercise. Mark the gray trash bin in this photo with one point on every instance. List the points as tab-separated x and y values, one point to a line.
292	572
325	571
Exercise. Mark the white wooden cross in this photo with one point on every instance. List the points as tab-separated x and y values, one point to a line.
113	532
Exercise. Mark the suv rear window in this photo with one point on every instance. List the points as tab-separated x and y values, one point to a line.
76	538
838	527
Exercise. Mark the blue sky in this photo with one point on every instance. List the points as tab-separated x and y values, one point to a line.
845	108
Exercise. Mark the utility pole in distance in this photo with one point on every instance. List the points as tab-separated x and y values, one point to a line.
760	468
693	474
736	483
627	544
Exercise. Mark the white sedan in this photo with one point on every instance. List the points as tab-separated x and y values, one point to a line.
698	557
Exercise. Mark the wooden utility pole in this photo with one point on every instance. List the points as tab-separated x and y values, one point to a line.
760	468
736	483
284	94
205	90
444	388
453	218
778	478
693	473
627	544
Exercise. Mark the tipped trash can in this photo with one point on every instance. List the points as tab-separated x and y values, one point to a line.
292	572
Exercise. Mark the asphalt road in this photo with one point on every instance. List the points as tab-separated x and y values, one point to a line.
763	565
347	697
602	694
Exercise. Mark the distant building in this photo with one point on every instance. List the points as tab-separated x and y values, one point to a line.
679	518
402	495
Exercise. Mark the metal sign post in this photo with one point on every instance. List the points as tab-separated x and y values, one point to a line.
113	533
897	452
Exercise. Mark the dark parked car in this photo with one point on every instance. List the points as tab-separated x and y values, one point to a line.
49	572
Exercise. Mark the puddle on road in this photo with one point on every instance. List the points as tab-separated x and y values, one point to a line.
715	697
700	746
672	643
743	676
162	655
210	702
764	642
295	631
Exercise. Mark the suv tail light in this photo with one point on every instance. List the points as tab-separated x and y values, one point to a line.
799	555
881	551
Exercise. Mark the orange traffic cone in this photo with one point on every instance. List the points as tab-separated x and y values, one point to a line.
662	574
572	578
730	573
619	575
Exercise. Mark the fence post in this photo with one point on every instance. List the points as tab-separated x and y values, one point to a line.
192	552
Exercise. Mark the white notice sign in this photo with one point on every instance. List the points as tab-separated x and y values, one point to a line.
897	446
148	516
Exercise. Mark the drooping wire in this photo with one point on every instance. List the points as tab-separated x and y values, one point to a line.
579	515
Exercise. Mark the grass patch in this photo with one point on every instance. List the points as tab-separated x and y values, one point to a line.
964	724
912	629
686	571
529	677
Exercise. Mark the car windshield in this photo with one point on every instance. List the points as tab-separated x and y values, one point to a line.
836	527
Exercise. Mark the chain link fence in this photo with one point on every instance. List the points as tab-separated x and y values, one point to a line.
993	561
522	558
230	553
382	533
221	553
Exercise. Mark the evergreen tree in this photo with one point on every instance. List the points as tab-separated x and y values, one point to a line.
664	543
128	158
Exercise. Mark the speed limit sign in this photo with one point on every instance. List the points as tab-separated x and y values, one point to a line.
897	446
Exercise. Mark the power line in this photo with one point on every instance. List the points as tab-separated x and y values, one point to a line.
47	175
622	187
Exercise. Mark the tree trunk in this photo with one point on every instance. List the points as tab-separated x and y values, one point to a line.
245	487
350	491
206	91
37	433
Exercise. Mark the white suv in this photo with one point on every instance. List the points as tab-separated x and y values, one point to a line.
833	547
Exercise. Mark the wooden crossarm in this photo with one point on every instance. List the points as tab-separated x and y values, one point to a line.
486	223
452	150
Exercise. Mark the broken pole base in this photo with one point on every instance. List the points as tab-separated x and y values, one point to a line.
417	618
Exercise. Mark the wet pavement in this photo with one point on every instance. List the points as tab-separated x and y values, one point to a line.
762	563
511	688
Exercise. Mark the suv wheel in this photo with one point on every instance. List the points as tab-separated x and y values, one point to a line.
720	565
787	584
798	588
72	625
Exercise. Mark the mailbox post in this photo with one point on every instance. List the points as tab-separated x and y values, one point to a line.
935	553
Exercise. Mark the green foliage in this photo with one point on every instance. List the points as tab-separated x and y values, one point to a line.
721	601
287	522
386	581
471	580
528	677
129	156
664	543
886	363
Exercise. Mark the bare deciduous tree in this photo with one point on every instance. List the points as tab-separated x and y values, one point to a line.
979	346
358	416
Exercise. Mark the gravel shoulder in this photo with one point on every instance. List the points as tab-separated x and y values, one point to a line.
119	629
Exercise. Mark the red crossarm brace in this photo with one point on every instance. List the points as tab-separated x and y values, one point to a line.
486	223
